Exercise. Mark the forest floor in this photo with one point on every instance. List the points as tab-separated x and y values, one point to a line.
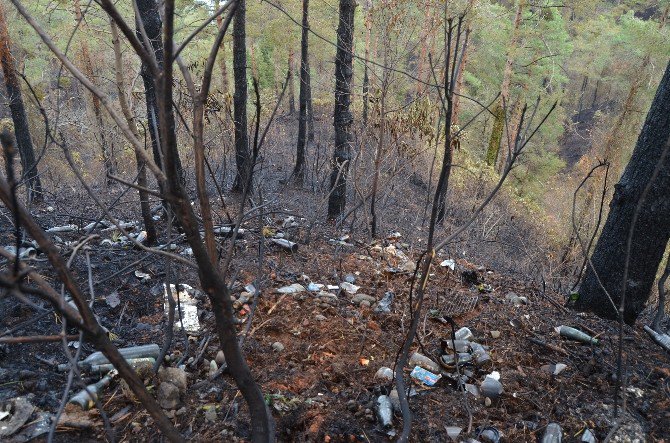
315	355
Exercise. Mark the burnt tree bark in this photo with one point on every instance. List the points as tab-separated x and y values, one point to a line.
149	224
291	87
641	202
242	156
18	111
108	157
299	170
150	19
343	118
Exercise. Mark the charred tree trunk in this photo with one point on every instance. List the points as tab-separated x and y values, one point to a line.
299	170
225	84
366	76
242	157
19	117
291	87
641	202
150	19
107	154
149	224
343	118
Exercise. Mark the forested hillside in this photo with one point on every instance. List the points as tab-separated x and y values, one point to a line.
334	221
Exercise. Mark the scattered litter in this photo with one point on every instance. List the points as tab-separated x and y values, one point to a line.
384	411
491	386
588	436
227	231
277	347
484	287
514	299
473	389
23	252
637	392
458	345
663	340
450	359
19	411
453	432
489	434
332	287
364	361
384	305
86	397
98	358
421	360
143	276
394	235
384	373
286	244
141	237
65	228
314	287
576	334
424	376
554	369
350	278
295	288
449	263
552	434
289	222
349	287
481	356
188	314
138	364
113	300
464	334
459	304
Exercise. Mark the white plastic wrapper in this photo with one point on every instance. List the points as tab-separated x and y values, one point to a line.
188	314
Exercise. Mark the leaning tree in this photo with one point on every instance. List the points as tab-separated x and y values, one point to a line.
625	262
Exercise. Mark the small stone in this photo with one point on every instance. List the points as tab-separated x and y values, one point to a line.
181	411
360	298
277	347
365	304
495	334
320	317
352	406
487	402
168	395
220	358
176	376
350	278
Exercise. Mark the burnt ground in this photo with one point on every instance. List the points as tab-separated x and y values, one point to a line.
322	386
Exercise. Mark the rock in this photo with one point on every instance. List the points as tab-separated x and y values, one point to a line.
365	304
176	376
360	298
495	334
168	395
327	297
277	347
220	358
319	317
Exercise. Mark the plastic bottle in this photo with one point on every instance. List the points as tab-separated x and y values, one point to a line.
86	397
662	339
576	334
98	358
